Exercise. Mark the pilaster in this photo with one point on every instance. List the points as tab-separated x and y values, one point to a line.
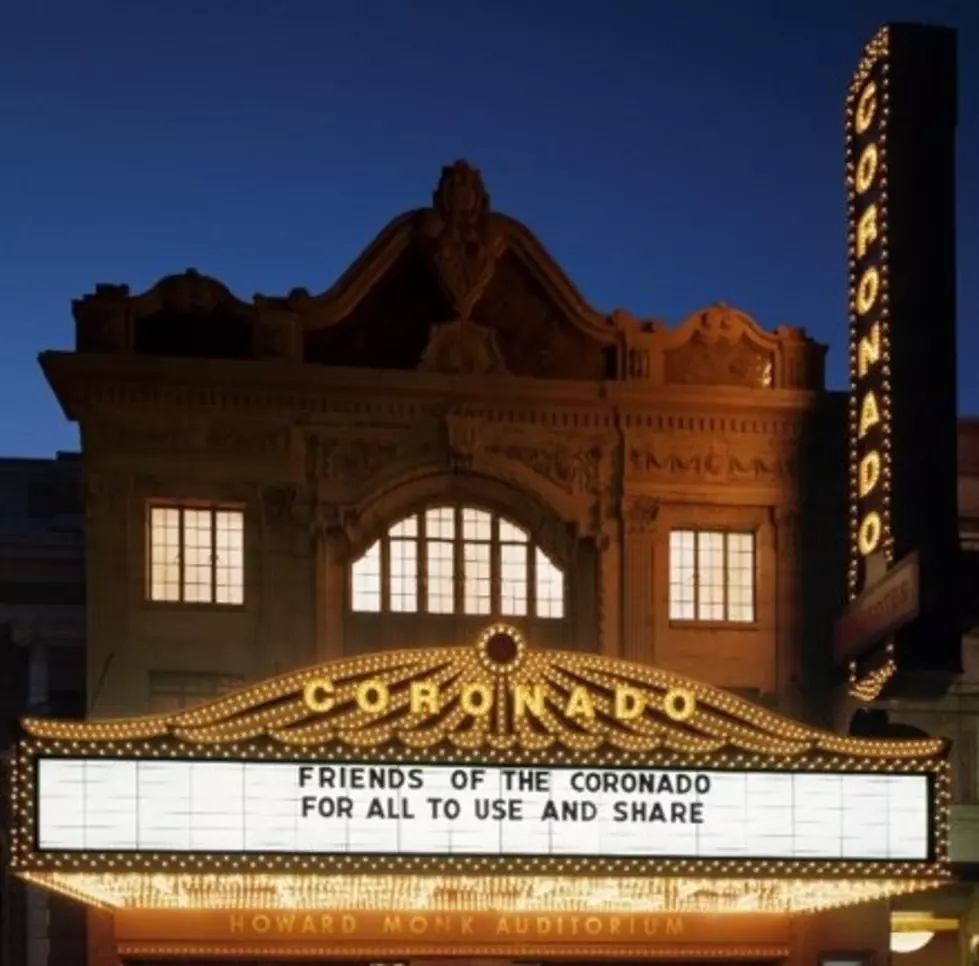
329	592
639	527
788	632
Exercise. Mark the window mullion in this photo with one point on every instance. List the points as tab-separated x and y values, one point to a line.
181	552
458	563
696	575
421	564
214	555
725	571
531	573
496	576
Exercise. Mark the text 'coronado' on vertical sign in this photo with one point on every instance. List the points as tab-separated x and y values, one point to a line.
870	403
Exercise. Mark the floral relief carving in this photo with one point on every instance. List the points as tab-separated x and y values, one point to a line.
354	461
640	513
573	471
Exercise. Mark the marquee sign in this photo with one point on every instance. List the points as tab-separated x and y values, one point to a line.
900	126
361	808
493	760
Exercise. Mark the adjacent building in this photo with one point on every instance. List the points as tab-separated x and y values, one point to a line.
42	663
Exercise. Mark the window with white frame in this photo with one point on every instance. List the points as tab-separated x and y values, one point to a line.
457	560
712	576
196	555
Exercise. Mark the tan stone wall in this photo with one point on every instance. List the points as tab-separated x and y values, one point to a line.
323	466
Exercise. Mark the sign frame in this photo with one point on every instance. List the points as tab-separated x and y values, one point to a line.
467	862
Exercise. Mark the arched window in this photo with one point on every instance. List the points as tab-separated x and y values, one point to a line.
457	560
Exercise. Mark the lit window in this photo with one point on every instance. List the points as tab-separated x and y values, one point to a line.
196	555
549	586
367	579
457	560
712	576
477	528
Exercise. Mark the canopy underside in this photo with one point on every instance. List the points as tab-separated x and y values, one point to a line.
502	894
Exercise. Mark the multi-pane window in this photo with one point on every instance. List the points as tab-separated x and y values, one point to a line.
174	690
196	555
457	560
712	576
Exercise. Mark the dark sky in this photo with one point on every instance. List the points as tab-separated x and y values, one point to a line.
668	154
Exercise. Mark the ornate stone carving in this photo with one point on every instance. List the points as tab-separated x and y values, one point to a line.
355	461
191	293
722	363
462	348
462	441
464	241
640	513
696	461
720	352
573	471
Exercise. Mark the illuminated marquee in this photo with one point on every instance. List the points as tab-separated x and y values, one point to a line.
900	150
870	336
370	782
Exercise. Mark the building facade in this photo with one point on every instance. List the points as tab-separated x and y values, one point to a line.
448	435
449	439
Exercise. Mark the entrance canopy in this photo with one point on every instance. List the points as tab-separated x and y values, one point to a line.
482	779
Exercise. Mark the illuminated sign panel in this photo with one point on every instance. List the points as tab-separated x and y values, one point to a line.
504	811
900	124
870	414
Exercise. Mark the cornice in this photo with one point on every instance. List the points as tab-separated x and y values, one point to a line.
96	387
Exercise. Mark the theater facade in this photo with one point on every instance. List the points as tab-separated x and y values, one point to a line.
440	615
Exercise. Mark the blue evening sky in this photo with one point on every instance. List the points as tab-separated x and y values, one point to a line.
667	154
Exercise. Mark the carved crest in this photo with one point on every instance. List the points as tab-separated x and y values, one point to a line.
462	348
721	351
464	241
